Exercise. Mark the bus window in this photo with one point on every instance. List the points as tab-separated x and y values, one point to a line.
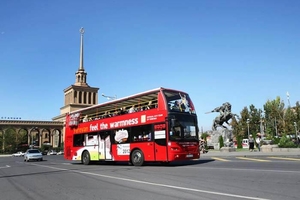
183	128
176	133
78	140
91	139
141	133
190	132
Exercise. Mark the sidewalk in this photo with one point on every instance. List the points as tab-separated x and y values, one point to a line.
5	155
245	153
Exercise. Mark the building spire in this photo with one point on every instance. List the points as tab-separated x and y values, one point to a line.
81	49
81	74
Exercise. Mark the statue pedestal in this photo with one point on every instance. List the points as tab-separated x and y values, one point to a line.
214	137
228	149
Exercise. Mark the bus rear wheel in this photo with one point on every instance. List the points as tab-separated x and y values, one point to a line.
85	158
137	158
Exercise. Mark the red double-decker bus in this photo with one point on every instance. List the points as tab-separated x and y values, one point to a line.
159	125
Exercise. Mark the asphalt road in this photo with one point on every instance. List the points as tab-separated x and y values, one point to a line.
208	178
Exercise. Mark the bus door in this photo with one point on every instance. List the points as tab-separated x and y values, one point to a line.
105	146
160	141
92	145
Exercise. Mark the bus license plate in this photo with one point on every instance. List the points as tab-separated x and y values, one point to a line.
189	155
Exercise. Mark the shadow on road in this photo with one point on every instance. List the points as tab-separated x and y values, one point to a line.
162	164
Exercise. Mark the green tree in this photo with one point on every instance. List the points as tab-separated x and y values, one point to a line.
275	119
221	141
274	114
296	111
243	126
289	119
254	119
10	140
239	142
1	140
22	137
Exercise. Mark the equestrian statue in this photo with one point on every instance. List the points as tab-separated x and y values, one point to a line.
224	117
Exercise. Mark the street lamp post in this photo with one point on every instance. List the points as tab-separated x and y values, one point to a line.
248	121
265	122
275	124
296	131
288	98
109	97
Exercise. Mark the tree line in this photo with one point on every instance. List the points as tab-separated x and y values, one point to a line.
274	120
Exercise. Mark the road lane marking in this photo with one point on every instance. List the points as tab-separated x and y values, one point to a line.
6	166
154	184
280	158
220	159
252	159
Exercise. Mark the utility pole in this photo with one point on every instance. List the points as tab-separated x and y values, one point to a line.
288	98
248	121
109	97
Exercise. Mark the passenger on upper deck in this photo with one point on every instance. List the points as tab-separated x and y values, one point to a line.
149	106
85	119
176	106
123	110
132	109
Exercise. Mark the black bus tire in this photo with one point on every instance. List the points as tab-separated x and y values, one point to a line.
85	159
137	158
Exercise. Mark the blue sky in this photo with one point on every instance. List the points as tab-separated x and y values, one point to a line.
240	51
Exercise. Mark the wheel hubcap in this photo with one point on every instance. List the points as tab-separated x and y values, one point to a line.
137	157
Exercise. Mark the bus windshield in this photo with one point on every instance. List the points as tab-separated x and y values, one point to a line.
179	102
183	128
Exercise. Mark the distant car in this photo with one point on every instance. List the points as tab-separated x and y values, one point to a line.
60	153
51	152
33	154
245	143
18	154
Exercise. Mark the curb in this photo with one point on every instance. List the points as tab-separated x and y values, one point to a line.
5	156
295	152
250	154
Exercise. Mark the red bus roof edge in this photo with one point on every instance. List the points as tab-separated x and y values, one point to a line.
123	98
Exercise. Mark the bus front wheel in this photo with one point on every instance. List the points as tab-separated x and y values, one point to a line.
85	158
137	158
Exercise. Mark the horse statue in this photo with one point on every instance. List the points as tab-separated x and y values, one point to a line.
224	117
220	120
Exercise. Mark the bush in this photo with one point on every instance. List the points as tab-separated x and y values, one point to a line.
286	142
276	140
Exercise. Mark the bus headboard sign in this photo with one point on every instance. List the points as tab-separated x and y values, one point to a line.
74	120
